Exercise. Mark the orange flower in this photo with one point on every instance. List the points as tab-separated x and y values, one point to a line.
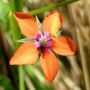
45	43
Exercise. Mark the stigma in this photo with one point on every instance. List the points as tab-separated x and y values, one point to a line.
43	40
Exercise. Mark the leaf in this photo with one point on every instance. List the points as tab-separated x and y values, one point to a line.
52	7
4	13
38	84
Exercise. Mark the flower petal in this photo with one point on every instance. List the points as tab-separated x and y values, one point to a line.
26	23
49	65
52	22
64	46
26	54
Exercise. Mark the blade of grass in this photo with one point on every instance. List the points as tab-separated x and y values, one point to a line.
41	10
31	73
17	5
68	82
6	59
16	35
40	85
81	48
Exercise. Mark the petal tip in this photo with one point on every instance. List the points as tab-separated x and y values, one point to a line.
11	63
52	22
64	46
22	15
50	65
27	24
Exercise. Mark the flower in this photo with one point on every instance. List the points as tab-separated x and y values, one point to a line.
46	43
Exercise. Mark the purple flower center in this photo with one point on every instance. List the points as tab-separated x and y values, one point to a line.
43	41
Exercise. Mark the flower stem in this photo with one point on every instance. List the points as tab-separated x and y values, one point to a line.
41	10
21	78
17	5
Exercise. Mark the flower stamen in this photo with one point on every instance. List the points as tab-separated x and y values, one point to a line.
43	40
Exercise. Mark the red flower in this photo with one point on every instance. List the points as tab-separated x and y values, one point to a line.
47	42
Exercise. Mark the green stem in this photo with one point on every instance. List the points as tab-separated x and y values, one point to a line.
41	10
21	78
17	5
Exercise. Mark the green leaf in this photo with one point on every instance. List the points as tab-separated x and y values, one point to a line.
17	5
4	13
37	79
48	8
